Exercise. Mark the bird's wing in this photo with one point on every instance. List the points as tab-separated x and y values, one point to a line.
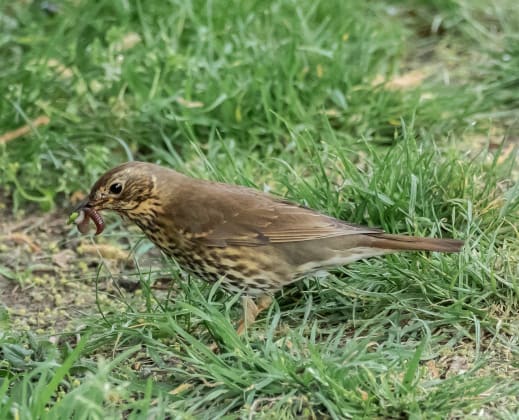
242	216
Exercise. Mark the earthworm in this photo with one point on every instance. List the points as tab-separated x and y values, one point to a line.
86	214
96	218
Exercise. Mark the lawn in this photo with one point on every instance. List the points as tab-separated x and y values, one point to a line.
402	115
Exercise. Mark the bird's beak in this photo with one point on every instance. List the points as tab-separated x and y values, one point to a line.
82	204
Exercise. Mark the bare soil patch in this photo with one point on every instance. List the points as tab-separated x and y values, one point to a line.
48	273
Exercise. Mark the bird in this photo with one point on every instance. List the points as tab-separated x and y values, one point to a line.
252	242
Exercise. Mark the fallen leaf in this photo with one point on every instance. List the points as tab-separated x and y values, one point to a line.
407	80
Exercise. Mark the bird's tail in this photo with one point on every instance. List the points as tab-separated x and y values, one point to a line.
413	243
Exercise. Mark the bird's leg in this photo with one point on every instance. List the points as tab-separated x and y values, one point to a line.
251	310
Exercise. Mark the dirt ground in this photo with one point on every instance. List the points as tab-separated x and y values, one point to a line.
49	273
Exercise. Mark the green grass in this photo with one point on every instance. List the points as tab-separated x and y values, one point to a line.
286	96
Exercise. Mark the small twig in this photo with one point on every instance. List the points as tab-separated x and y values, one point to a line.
22	238
22	131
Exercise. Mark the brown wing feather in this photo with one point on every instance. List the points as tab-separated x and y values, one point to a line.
237	215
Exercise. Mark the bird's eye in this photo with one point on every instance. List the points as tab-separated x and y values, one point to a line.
116	188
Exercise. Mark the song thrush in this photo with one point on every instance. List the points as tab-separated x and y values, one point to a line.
253	242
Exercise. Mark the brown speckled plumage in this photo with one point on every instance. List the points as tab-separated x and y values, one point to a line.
254	242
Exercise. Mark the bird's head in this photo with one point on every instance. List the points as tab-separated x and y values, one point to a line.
122	189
